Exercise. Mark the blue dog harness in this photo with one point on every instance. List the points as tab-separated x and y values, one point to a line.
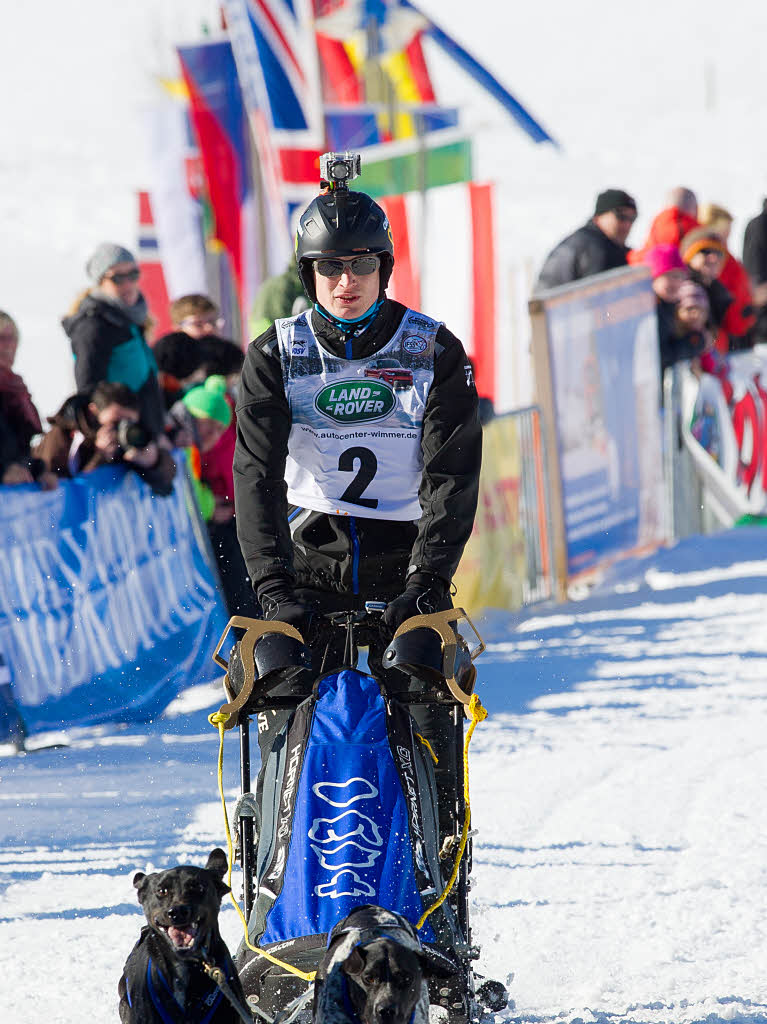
160	991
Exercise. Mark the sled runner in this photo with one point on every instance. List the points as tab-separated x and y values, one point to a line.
347	807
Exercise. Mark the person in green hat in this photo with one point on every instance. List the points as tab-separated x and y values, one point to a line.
201	423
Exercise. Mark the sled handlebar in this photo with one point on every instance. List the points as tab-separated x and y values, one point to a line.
367	616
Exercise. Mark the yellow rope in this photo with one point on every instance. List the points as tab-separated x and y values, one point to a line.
219	719
478	714
426	743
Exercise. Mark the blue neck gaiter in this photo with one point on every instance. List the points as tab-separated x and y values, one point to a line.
355	326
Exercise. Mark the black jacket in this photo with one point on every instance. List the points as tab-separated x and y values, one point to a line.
109	346
345	554
755	262
587	251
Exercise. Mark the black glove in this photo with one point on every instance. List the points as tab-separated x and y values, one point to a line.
424	593
278	601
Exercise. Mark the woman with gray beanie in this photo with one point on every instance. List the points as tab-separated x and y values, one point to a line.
107	332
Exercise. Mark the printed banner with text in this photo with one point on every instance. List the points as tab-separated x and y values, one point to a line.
603	353
109	605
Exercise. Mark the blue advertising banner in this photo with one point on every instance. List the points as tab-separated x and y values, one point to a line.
603	354
109	604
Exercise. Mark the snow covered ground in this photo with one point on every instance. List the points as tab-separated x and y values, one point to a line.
618	789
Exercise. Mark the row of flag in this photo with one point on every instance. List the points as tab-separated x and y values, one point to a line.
235	150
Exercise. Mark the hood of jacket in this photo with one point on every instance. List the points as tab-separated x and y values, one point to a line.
73	415
91	305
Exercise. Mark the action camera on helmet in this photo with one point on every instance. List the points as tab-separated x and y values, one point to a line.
337	169
342	223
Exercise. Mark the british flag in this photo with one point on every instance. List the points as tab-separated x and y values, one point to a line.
276	52
277	60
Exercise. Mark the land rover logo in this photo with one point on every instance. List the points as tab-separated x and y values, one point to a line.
355	401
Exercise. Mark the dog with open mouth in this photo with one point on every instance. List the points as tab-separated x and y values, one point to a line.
180	970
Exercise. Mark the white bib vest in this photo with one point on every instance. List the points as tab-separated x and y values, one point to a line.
355	441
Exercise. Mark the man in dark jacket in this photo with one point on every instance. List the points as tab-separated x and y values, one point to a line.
107	333
755	262
597	246
358	454
356	470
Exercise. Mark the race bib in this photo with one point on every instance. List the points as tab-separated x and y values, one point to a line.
355	441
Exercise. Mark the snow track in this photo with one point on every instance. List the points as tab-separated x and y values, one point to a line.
618	788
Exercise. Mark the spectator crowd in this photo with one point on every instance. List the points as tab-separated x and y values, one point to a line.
139	401
709	303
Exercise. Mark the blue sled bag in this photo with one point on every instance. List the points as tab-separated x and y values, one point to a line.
348	817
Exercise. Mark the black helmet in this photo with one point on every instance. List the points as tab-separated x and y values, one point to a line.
342	223
422	653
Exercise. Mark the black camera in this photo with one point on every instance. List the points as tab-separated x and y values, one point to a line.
337	169
132	435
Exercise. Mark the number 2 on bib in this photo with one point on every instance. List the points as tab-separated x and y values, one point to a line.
368	464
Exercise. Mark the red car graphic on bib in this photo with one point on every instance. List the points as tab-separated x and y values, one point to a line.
391	371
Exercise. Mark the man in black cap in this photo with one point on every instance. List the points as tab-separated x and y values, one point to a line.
597	246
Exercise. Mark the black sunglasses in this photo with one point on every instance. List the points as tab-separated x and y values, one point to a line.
128	275
627	218
360	266
710	252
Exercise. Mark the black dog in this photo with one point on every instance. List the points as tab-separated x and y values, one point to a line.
373	971
164	978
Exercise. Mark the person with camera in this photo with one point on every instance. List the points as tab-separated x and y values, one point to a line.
356	470
103	428
107	330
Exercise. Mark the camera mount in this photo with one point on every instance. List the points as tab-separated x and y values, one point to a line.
338	169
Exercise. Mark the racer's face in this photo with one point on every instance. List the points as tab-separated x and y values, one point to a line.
348	296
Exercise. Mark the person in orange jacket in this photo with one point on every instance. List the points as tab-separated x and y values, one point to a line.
739	320
672	223
705	252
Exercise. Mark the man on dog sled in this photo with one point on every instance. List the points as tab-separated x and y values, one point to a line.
357	463
329	518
